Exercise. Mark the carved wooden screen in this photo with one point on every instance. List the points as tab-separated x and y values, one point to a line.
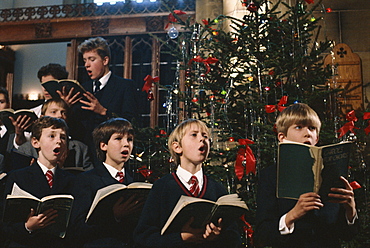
348	76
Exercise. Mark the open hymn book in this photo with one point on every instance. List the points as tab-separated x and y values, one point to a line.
106	197
19	203
5	113
228	207
305	168
53	85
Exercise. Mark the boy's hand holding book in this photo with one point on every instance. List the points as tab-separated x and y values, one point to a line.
127	207
35	222
190	234
212	230
93	104
198	235
346	197
68	96
306	202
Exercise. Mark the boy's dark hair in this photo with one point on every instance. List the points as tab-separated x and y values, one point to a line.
99	44
298	113
105	130
56	70
5	92
58	101
45	122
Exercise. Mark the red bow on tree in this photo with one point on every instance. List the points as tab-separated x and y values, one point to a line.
245	154
149	83
279	106
248	229
143	170
309	1
172	18
350	125
206	62
355	185
366	117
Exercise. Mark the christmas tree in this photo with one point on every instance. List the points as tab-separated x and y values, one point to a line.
238	79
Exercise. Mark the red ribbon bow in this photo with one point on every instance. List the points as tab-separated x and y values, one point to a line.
350	125
149	83
206	62
172	18
247	228
366	117
145	171
351	116
279	106
309	1
245	154
355	185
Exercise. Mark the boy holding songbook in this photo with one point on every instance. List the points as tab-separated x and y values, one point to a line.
189	145
308	221
114	143
42	178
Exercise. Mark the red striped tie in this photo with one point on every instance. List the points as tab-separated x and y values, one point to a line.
194	188
120	176
49	177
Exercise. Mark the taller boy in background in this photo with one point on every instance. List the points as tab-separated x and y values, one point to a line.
50	138
308	222
114	143
189	145
46	73
108	95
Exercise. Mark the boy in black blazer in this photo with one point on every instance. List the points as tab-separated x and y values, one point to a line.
308	221
107	96
50	138
189	145
114	143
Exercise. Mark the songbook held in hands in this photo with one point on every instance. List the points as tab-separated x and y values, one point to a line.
19	203
53	85
228	207
5	113
106	197
305	168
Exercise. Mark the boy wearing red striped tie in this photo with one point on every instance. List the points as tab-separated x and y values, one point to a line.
189	145
114	141
42	178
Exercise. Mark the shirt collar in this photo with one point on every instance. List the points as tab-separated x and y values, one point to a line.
45	169
185	176
113	171
2	131
104	79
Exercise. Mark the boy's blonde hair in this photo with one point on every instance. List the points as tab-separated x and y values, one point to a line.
99	44
179	132
298	113
58	101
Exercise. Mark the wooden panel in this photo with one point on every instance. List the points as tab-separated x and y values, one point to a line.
348	77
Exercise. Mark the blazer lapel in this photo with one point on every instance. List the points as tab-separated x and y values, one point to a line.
38	180
128	178
109	91
104	174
